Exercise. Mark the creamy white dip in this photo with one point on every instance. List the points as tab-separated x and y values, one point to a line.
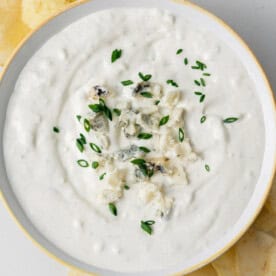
218	168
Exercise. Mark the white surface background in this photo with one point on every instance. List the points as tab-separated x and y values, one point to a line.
255	21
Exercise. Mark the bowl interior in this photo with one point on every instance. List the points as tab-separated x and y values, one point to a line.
264	94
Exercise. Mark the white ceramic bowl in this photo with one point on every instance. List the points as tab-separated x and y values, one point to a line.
201	17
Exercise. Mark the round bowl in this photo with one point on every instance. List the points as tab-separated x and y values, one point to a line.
209	21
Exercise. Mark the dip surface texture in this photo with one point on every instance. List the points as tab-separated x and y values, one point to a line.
65	200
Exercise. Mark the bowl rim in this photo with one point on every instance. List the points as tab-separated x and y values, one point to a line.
264	77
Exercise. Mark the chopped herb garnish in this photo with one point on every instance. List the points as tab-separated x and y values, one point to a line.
144	77
117	111
207	74
86	125
56	129
96	108
101	107
138	161
113	209
146	94
78	117
157	102
164	120
142	165
107	112
127	82
202	98
126	187
83	163
207	168
144	136
144	149
203	119
199	66
102	176
202	81
95	148
172	82
79	143
198	93
181	135
95	165
116	54
230	120
197	82
179	51
82	139
186	61
147	226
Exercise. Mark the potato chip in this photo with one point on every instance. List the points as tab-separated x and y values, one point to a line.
34	12
12	29
266	222
271	263
226	264
252	253
205	271
271	201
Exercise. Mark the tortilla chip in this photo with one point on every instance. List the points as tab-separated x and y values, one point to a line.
226	264
252	253
12	29
34	12
205	271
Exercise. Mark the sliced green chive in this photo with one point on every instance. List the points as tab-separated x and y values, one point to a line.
126	187
230	120
144	149
157	102
207	168
127	82
186	61
202	81
207	74
95	165
200	66
82	139
179	51
146	94
96	108
78	117
95	148
202	98
56	129
117	111
144	136
198	93
79	144
164	120
172	83
102	176
203	119
107	112
138	161
181	135
147	226
116	54
83	163
113	209
144	77
86	125
197	82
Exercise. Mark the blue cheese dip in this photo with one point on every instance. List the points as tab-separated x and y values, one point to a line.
138	140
